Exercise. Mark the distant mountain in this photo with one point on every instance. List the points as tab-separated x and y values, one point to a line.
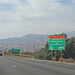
70	34
30	42
35	37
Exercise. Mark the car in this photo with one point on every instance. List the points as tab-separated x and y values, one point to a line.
0	52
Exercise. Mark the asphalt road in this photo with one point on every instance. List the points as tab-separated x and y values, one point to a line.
10	65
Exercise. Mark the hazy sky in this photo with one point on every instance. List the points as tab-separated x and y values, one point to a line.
20	17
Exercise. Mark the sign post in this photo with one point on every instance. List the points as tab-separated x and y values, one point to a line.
51	55
57	42
61	56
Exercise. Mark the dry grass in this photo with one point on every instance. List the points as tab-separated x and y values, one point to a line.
70	60
54	59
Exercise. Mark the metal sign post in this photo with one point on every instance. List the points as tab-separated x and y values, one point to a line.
61	56
51	55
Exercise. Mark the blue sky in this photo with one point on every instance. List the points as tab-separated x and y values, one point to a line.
20	17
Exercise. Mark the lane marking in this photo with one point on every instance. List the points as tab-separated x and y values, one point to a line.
14	66
48	64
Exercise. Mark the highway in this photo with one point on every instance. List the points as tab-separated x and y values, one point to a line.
10	65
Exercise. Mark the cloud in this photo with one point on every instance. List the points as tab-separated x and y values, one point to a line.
73	1
33	16
43	4
10	1
33	9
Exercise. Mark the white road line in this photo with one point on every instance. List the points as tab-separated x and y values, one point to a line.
14	66
51	65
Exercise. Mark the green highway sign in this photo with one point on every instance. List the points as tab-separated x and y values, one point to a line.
56	42
15	50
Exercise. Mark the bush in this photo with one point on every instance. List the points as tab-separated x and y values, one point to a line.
60	59
54	58
70	60
43	54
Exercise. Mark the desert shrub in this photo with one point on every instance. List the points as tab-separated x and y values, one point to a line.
54	58
70	60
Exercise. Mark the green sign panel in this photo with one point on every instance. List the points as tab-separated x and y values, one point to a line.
15	50
56	44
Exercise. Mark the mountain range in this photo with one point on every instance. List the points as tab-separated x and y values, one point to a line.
30	42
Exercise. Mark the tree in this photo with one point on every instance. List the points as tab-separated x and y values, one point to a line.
70	48
44	53
47	45
65	35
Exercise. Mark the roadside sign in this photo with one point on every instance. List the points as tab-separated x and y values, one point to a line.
4	50
15	50
56	42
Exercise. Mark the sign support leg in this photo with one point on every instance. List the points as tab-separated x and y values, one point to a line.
61	56
52	55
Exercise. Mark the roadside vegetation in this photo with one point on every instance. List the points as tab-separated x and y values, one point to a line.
68	54
45	54
22	54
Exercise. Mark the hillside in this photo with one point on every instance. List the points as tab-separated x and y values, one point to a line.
70	34
28	42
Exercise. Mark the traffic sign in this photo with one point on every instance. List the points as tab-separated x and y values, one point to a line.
56	36
15	50
4	50
56	42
